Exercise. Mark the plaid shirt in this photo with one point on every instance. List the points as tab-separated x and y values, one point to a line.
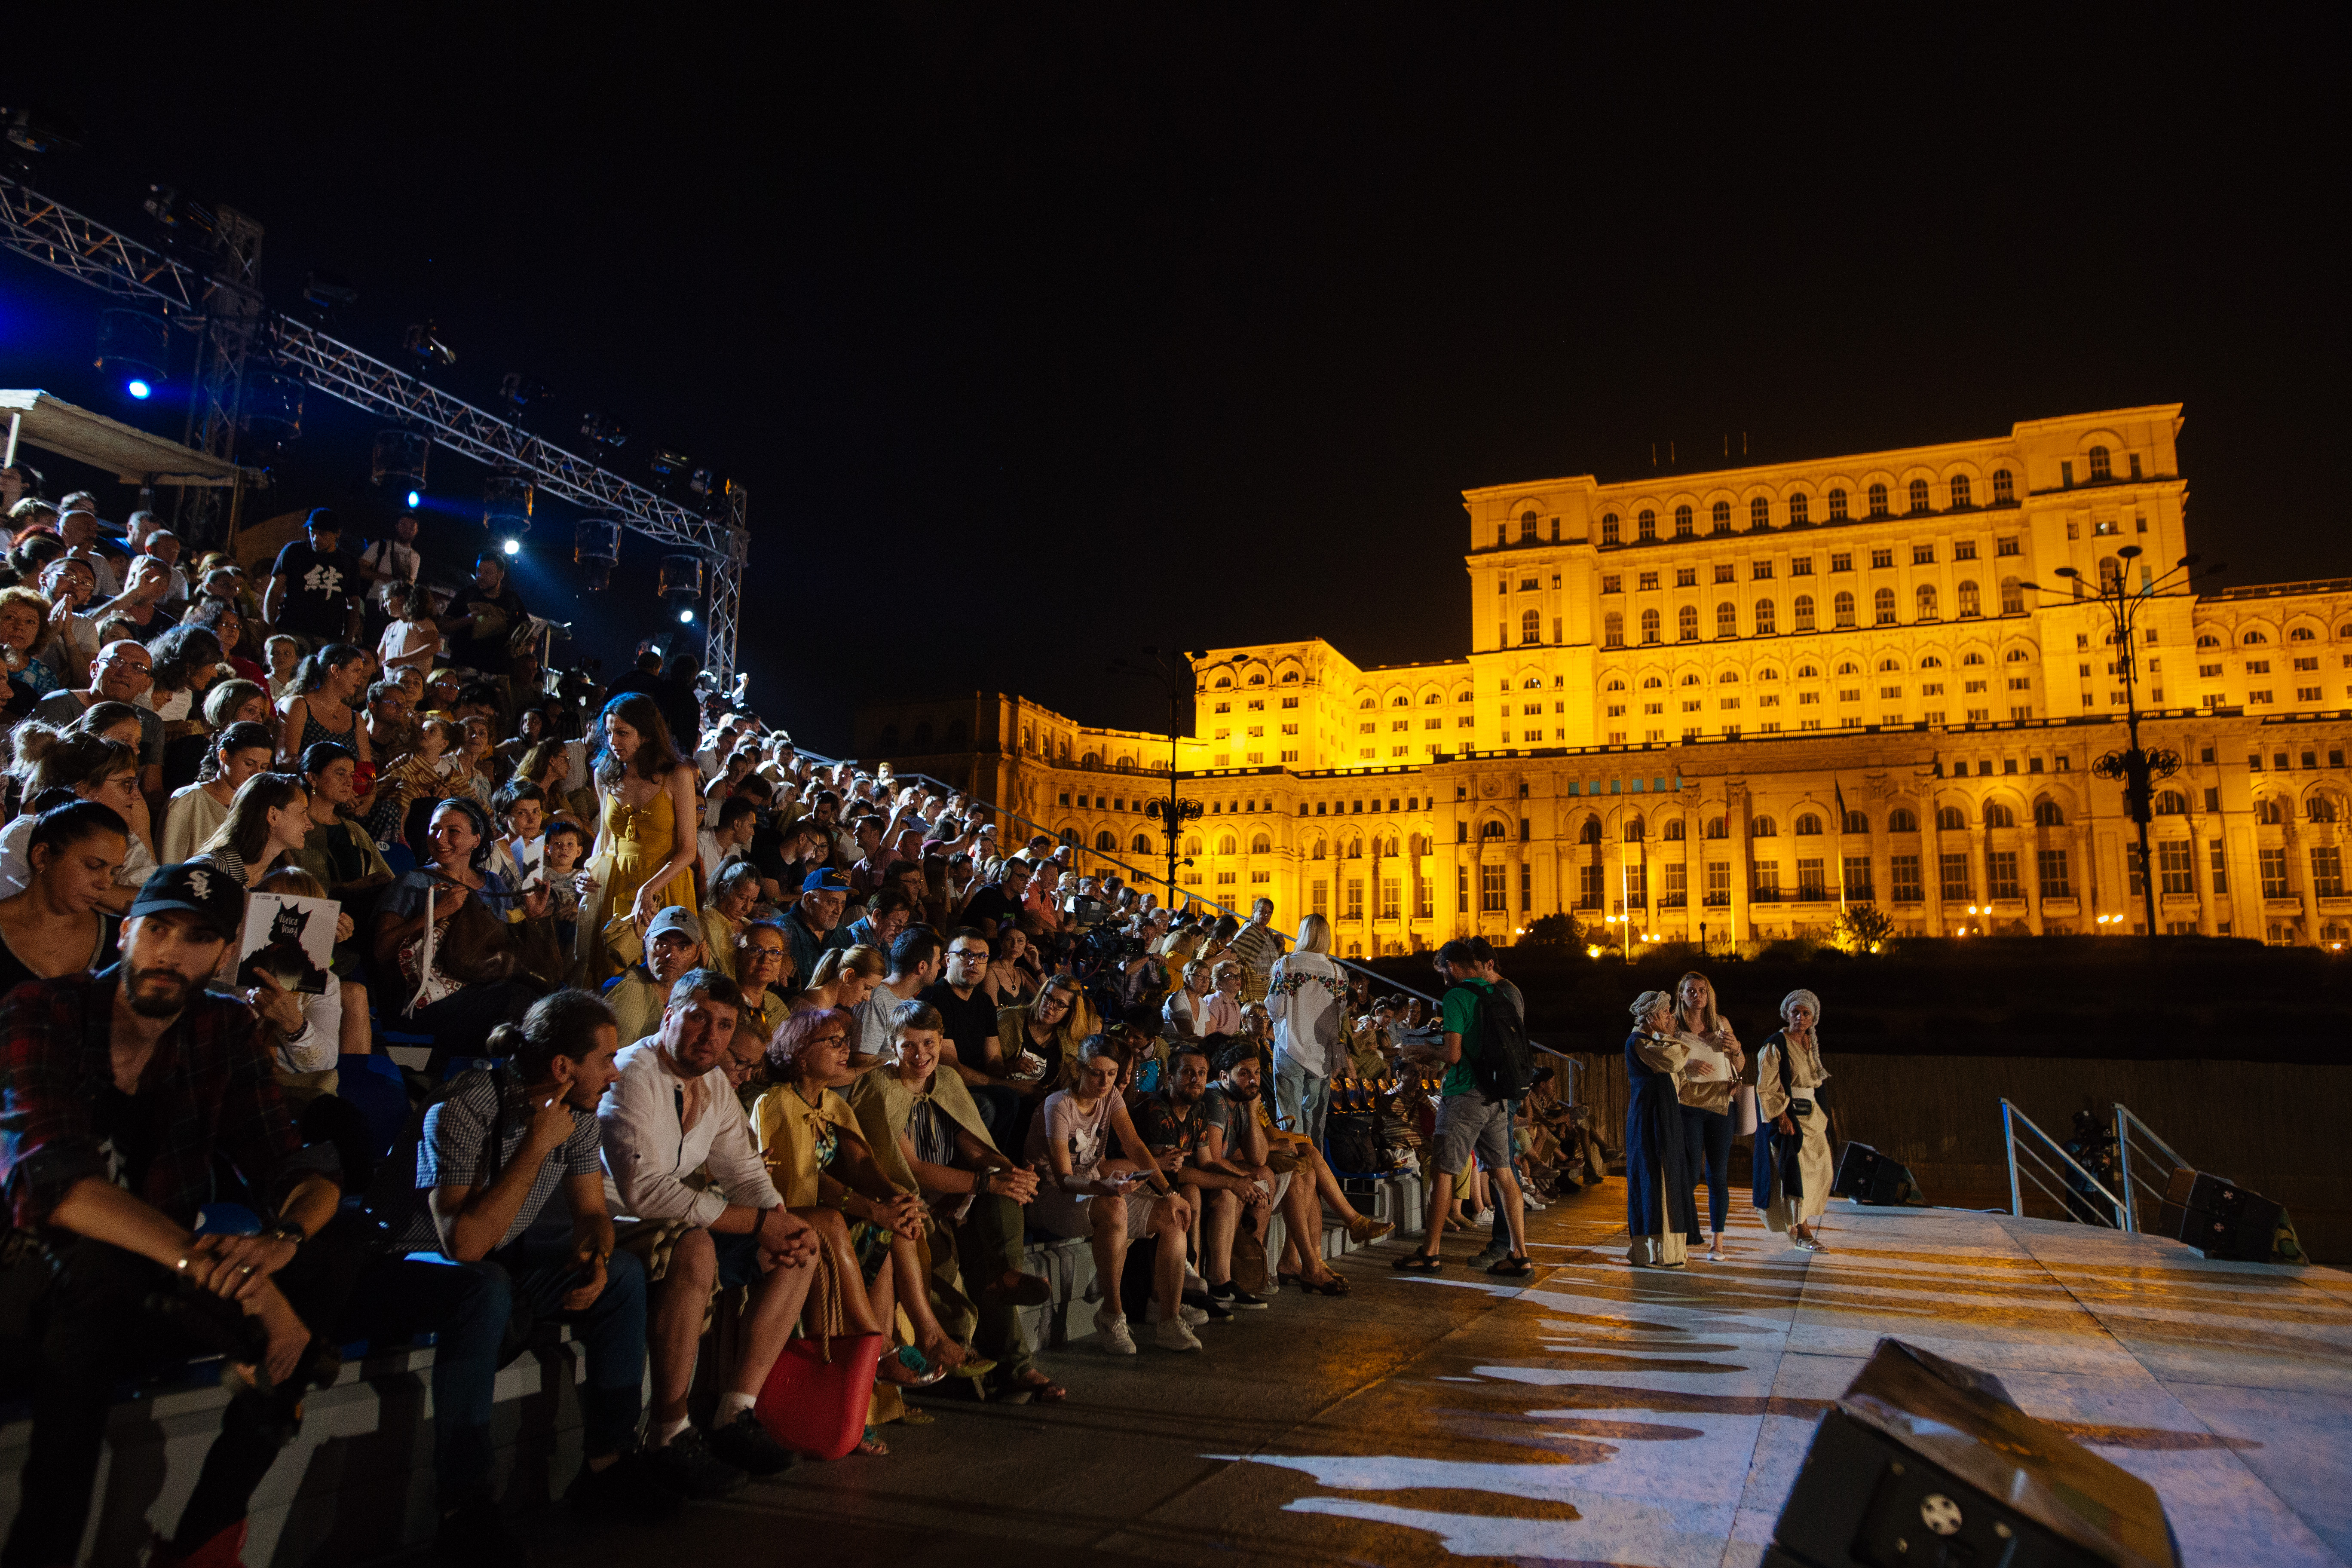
210	1075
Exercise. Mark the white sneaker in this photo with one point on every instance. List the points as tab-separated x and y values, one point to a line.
1111	1328
1177	1337
1185	1313
1484	1219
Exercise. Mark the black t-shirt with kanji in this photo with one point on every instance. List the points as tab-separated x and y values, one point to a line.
319	587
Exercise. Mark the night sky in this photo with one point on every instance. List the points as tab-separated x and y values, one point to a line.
1041	335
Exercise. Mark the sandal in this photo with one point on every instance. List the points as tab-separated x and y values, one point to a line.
1517	1266
1289	1281
1363	1230
1330	1285
1041	1389
908	1360
872	1443
1417	1263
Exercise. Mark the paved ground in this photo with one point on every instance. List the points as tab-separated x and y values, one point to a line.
1600	1414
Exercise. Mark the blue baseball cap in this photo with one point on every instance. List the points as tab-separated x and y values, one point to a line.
826	879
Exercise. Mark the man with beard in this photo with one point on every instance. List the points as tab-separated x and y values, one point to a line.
123	1094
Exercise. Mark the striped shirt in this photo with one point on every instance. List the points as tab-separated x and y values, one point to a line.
453	1151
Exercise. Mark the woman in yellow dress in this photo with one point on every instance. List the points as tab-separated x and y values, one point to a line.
646	828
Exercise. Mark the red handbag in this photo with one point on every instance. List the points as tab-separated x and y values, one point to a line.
818	1394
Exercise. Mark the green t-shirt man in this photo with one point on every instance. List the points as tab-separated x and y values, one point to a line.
1463	1000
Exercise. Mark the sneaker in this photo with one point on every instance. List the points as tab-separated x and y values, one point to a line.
686	1464
1232	1298
1177	1337
1185	1312
629	1489
746	1444
1205	1302
475	1535
1493	1252
1111	1329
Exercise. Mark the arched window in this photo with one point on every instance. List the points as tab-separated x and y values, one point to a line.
1918	495
1855	822
1998	815
1633	829
1760	514
1673	831
1091	760
1142	844
2048	814
1970	606
1763	827
2111	575
1902	820
1961	492
1682	522
1422	844
1317	852
2270	813
1589	834
1261	844
1800	510
1950	819
2004	489
1800	611
1717	829
1877	495
1612	630
1192	846
2321	808
2102	466
2253	637
1649	625
1609	527
1882	606
1837	504
1719	515
1355	848
2012	596
1686	623
1764	626
1107	842
1727	620
2170	803
1526	528
1531	626
1226	845
1888	666
1842	609
1645	525
1809	825
2300	634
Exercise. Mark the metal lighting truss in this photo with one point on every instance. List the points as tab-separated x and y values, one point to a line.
88	251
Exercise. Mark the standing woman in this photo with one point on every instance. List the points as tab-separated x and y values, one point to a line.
1307	997
1657	1173
1793	1130
646	825
319	707
1707	1104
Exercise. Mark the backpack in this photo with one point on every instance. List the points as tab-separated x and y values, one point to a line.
1505	1065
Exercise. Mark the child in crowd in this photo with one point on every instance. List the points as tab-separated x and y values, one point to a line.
422	776
521	855
566	846
284	653
411	641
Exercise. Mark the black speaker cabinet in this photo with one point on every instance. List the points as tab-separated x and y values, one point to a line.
1925	1463
2218	1217
1867	1176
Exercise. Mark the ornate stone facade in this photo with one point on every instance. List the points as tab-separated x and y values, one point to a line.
1718	704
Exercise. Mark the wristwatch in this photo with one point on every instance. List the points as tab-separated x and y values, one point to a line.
286	1230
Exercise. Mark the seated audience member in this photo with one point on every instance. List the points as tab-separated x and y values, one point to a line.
1098	1180
762	966
70	641
928	1138
56	924
391	722
732	895
122	673
495	1151
810	920
1220	1011
1228	1195
820	1163
94	768
638	994
969	1020
110	1165
285	659
521	810
739	817
221	618
23	627
411	641
1181	1013
226	702
914	964
405	790
1012	976
842	981
269	819
337	850
321	708
309	1032
566	844
671	1114
887	913
549	765
457	951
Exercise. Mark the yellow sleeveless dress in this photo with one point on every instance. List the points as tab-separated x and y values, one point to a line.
638	839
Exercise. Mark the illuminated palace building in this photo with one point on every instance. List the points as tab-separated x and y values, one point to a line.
1714	705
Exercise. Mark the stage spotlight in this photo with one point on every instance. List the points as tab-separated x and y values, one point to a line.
396	462
325	292
596	550
603	429
416	499
519	391
668	461
270	406
682	585
686	616
699	482
506	502
424	341
37	129
512	547
136	345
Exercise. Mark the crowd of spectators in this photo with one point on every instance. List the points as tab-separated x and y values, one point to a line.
695	1028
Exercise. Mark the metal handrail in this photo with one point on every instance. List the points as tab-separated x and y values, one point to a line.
2124	1122
2010	1118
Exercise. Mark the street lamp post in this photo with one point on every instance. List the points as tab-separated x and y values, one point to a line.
2135	766
1177	810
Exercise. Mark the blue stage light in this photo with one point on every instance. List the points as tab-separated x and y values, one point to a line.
416	499
512	547
137	388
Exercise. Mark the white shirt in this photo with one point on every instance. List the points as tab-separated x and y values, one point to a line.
390	555
188	821
713	857
649	1152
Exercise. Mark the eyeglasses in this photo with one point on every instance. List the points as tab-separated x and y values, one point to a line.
828	1039
759	953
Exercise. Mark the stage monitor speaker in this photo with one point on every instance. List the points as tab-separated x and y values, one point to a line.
1924	1463
1867	1176
2218	1217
